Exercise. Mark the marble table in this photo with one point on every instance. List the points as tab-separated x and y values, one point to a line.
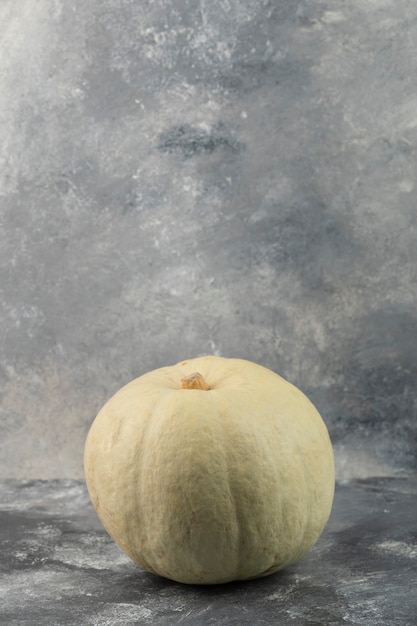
59	567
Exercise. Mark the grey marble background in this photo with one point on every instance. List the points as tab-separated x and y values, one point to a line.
180	178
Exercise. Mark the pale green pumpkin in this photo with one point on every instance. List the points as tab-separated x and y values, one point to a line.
211	470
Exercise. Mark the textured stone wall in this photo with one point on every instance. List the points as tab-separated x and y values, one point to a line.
185	178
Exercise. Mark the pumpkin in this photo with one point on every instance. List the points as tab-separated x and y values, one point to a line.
211	470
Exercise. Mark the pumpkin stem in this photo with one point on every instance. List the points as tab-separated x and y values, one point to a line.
194	381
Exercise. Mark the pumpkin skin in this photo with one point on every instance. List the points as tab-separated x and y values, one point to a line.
206	486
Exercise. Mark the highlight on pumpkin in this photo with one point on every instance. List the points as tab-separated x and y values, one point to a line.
194	381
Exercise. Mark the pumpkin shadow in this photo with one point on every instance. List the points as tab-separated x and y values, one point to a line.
158	583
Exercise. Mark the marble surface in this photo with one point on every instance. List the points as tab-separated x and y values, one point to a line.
59	567
178	179
181	178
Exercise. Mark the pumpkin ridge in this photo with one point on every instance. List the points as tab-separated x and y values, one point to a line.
233	498
308	504
142	449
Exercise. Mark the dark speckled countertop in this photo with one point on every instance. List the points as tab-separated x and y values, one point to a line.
59	567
